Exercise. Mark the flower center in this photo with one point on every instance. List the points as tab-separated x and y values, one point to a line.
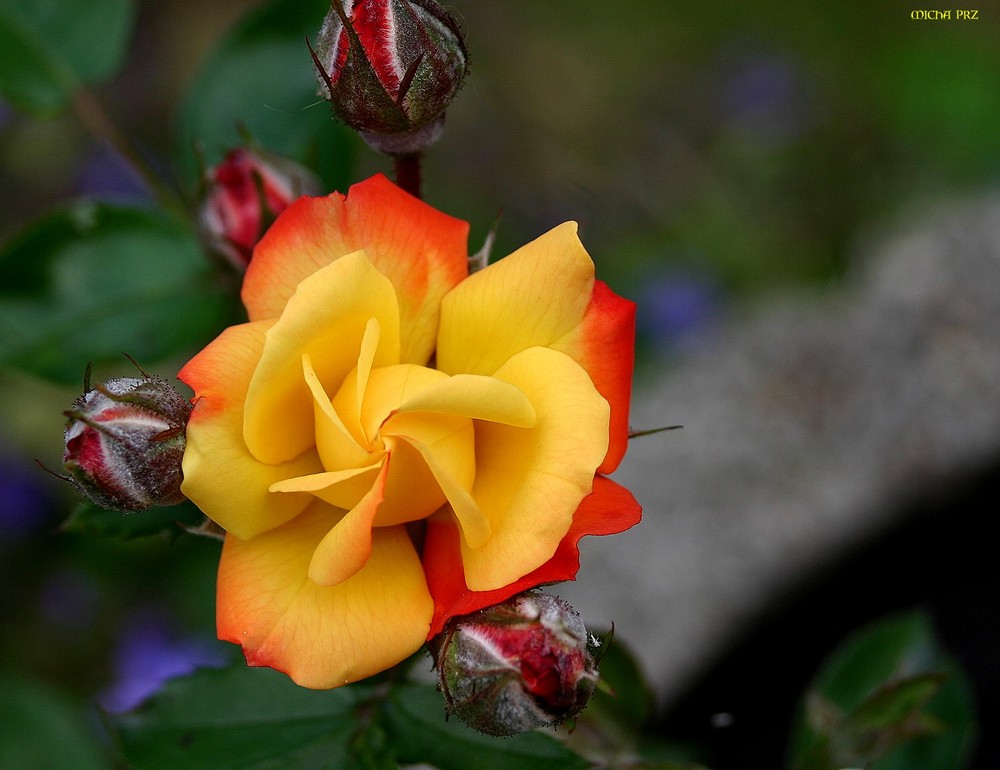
398	442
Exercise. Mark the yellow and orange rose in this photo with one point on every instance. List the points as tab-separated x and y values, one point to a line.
389	441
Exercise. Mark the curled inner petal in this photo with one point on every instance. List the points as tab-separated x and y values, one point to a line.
328	318
343	489
345	549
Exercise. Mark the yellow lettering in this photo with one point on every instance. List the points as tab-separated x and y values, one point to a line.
918	14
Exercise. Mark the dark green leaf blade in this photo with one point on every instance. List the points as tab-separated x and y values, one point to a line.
91	520
887	696
49	48
415	723
261	78
629	700
614	727
239	718
91	281
40	727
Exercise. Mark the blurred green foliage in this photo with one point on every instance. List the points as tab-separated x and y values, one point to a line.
888	698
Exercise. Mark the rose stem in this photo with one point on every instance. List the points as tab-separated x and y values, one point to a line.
408	172
96	120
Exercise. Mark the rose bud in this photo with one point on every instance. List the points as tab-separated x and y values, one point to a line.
242	197
516	666
125	441
390	68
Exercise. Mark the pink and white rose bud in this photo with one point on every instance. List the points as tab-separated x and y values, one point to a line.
390	68
516	666
125	441
244	194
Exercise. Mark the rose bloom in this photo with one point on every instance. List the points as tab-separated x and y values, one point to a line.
389	441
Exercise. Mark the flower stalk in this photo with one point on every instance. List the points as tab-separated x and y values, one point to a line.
97	121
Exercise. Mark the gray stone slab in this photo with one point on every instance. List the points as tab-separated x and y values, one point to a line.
809	420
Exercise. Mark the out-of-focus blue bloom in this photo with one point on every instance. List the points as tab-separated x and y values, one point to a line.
69	600
108	176
674	309
763	95
26	507
149	653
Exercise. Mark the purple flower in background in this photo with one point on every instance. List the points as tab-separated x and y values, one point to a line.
69	600
108	176
675	308
27	506
149	653
763	94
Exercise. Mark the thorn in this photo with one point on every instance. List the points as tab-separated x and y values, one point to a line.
651	431
339	8
86	377
407	80
51	472
207	528
320	68
169	433
142	371
481	258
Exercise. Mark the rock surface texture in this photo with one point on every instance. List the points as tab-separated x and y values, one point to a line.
810	422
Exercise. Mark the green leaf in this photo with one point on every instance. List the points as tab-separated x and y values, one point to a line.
41	728
89	519
261	78
49	48
631	701
611	729
91	281
239	718
886	697
416	725
895	701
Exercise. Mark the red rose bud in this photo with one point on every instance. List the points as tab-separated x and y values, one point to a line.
244	194
390	68
516	666
125	441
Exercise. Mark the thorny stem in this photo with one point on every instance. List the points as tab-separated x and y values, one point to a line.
96	120
407	169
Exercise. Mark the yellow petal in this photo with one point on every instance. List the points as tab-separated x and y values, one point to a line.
337	445
322	636
529	481
325	318
388	387
474	396
345	548
532	297
411	492
350	397
343	489
220	475
473	522
422	251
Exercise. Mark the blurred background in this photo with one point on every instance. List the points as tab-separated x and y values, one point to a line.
739	172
